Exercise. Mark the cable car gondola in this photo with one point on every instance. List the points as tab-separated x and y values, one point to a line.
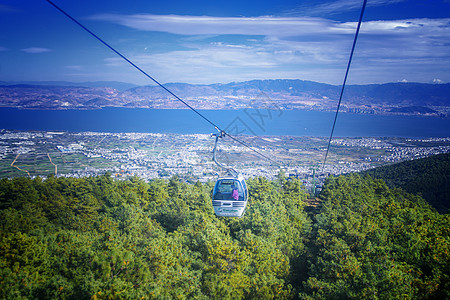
230	194
223	204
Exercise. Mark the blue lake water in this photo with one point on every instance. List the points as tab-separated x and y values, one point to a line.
251	121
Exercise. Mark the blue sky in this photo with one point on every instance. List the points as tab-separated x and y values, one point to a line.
224	41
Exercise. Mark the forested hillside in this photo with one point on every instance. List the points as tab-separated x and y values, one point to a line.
97	238
372	242
428	176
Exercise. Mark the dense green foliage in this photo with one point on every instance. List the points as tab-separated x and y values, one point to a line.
428	176
372	242
97	238
100	238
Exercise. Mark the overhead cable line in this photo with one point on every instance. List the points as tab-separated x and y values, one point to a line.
345	79
131	63
157	82
253	149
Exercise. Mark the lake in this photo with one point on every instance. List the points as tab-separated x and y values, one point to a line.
246	121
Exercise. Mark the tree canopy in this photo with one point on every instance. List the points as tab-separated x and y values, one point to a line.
428	176
99	238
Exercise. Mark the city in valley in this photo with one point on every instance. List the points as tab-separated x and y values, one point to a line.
158	155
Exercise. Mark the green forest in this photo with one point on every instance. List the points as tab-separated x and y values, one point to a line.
100	238
428	176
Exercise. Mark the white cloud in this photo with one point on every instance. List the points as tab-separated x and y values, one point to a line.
3	48
340	6
207	25
281	27
437	81
221	62
35	50
427	27
320	61
294	47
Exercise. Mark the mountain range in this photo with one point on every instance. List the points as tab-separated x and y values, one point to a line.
391	98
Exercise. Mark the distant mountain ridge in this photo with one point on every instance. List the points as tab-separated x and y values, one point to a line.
121	86
389	98
411	93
